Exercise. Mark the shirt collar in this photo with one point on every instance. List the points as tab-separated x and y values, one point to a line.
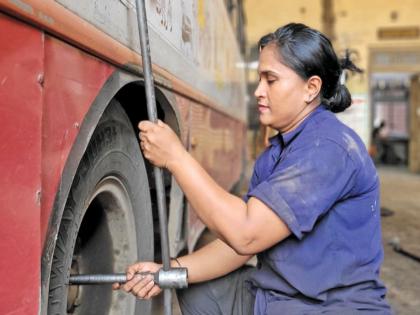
286	138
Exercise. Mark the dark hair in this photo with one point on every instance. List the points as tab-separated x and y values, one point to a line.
308	52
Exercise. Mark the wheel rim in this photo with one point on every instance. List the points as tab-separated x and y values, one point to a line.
106	243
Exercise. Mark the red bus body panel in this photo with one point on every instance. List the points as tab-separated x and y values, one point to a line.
46	88
20	166
40	123
72	81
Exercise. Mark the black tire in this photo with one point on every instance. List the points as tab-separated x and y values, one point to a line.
107	222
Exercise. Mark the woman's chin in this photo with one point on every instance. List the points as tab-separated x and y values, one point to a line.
264	121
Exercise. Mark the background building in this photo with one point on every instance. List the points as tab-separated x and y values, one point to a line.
383	38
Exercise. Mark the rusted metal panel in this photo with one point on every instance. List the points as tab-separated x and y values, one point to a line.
21	71
209	53
183	106
217	143
189	34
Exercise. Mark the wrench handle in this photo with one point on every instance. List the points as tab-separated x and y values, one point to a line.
101	278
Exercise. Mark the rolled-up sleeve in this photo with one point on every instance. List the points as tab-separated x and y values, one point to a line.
307	184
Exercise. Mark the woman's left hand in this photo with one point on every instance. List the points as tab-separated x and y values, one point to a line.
139	283
159	143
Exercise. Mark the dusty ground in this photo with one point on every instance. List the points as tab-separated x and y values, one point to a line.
400	192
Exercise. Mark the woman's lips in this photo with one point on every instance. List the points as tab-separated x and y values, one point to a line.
263	108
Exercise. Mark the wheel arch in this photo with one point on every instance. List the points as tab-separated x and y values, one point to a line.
129	90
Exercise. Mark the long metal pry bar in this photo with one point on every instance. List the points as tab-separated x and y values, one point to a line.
152	112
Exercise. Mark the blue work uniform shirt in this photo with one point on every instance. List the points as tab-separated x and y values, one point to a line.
323	185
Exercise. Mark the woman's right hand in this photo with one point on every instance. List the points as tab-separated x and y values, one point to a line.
141	286
160	144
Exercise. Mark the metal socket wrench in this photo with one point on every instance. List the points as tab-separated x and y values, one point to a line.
174	278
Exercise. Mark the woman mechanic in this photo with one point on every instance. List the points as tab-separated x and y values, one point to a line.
312	210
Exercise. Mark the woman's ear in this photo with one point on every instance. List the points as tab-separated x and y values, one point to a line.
312	89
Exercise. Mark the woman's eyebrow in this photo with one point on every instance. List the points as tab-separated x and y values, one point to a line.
267	72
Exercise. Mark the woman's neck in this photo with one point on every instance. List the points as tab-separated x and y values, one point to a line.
301	116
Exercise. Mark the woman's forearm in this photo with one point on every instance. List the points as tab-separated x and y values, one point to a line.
248	227
212	261
223	213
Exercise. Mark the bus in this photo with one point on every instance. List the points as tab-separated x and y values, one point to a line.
77	196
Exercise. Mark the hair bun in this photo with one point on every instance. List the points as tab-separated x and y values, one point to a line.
346	63
340	101
342	98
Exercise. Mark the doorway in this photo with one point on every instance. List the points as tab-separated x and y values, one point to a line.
390	99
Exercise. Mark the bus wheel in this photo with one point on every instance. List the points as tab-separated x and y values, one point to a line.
107	222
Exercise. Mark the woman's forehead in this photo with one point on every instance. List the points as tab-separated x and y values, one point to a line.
271	65
270	59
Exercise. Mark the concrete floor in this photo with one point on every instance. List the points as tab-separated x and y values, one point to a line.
400	192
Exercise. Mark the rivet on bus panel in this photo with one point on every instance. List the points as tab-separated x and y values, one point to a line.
40	79
38	196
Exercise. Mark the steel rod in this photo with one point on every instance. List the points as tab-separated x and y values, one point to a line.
175	278
103	278
98	279
152	112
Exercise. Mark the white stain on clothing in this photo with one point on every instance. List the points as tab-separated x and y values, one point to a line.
351	146
290	180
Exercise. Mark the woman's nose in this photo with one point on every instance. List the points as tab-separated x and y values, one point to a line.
259	91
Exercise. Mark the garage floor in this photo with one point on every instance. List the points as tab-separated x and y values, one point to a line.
400	193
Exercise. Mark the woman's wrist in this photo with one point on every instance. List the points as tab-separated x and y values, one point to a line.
173	165
175	263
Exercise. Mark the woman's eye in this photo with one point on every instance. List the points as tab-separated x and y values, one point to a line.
270	81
